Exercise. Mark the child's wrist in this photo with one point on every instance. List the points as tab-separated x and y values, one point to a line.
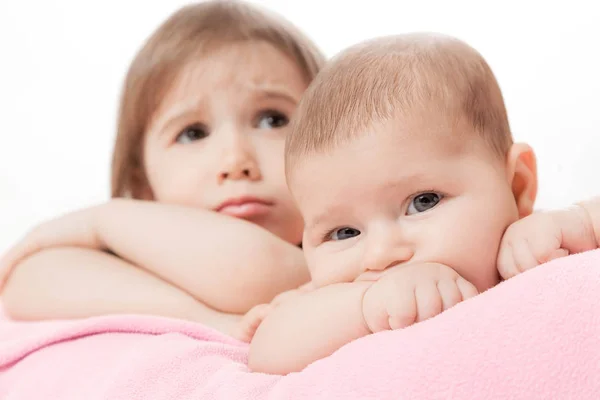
590	212
577	228
100	216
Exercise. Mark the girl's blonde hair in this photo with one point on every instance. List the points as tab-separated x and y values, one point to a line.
187	34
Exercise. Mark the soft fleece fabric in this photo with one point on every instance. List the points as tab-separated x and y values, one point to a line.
536	336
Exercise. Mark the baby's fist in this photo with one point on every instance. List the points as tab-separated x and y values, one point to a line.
542	237
413	293
251	321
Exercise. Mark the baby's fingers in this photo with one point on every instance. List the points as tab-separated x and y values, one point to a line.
558	253
450	293
402	312
467	289
515	258
251	321
524	258
506	264
429	301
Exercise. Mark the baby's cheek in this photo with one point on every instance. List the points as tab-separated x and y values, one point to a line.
486	276
477	263
323	276
328	269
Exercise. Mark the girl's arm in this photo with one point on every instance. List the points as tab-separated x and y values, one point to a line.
208	255
227	263
69	283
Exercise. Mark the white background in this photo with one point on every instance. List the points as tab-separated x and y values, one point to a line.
62	63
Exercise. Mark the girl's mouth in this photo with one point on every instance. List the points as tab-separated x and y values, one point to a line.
245	207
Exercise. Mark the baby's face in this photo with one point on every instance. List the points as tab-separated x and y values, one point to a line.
404	192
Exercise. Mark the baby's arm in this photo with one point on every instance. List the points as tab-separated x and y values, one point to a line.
208	255
546	235
592	207
65	283
309	327
314	325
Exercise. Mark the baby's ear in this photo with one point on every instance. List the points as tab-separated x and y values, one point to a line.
521	168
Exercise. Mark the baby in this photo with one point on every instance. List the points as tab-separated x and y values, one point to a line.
403	166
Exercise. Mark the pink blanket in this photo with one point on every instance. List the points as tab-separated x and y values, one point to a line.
536	336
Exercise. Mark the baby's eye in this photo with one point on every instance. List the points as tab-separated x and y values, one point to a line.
271	119
192	133
343	233
423	202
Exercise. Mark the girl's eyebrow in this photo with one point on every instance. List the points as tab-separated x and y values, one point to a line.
278	96
174	115
275	89
278	92
263	91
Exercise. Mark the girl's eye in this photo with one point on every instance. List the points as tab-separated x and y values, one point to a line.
343	233
192	133
423	202
272	120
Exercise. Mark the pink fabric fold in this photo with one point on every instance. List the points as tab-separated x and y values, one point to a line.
536	336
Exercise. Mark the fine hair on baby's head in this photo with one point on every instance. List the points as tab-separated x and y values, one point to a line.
399	76
189	35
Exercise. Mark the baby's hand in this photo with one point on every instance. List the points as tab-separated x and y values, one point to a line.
291	294
253	318
412	294
251	321
542	237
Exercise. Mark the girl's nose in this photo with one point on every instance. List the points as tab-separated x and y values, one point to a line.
239	160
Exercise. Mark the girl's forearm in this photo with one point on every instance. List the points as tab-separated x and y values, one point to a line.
70	283
206	254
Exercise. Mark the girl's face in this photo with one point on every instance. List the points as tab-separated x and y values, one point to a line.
217	140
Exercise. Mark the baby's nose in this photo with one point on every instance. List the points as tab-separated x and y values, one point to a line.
383	253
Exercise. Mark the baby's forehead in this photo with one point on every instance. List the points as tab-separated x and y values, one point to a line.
413	134
385	149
